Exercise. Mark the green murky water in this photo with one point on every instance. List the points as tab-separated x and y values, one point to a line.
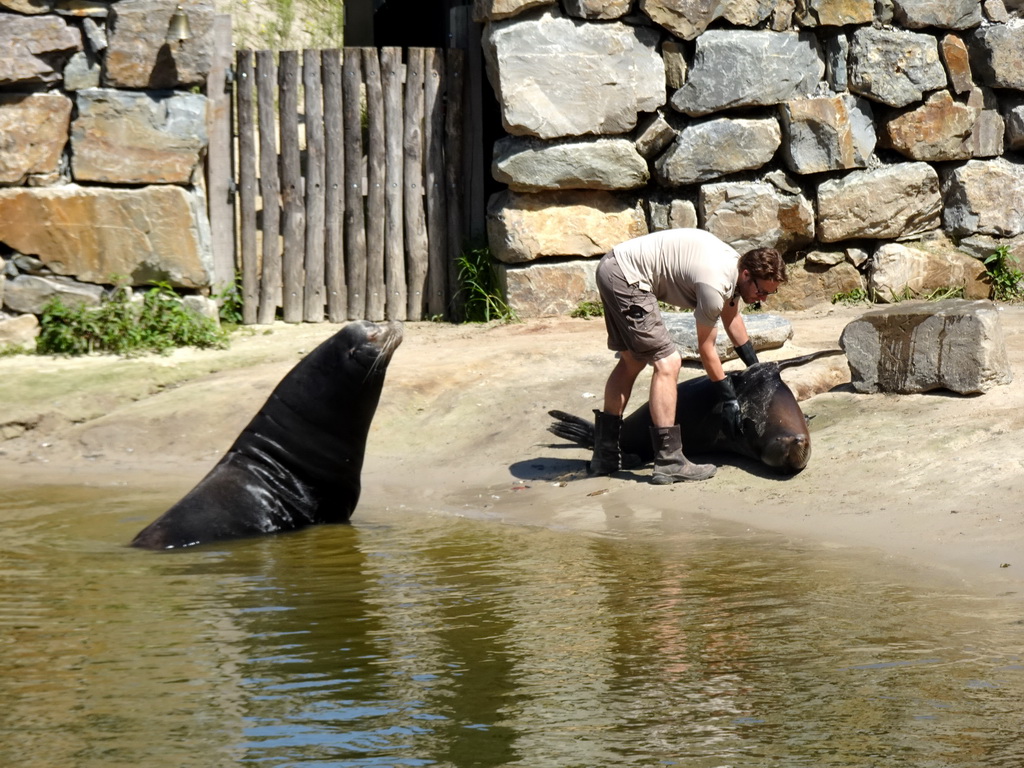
425	640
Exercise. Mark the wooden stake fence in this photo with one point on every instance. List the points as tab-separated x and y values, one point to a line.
355	211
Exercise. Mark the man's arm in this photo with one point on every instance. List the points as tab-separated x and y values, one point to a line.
706	335
732	321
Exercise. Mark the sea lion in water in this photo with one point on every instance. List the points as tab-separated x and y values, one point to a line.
299	460
774	428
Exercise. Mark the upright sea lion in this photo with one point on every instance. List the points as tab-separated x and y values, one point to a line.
299	460
774	428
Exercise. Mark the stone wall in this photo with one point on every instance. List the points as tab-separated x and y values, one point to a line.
103	133
875	142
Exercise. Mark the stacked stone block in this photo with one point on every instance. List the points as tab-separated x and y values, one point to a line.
830	129
103	133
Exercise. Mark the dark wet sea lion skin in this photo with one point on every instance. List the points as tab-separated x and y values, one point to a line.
299	461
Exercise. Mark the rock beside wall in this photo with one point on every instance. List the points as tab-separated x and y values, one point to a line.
103	235
812	126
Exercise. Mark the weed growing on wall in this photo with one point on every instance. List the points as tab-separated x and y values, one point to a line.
588	309
159	323
479	285
1004	272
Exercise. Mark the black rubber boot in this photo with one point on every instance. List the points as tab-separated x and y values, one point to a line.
606	458
670	466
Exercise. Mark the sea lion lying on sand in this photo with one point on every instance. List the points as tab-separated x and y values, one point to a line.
774	428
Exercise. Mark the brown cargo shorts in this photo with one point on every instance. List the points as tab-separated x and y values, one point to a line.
631	315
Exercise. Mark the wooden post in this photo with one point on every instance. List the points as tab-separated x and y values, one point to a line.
474	169
453	176
334	205
266	89
437	237
245	79
355	218
394	245
415	220
375	184
220	157
293	224
313	293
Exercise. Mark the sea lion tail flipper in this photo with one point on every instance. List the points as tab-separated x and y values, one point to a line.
795	361
572	428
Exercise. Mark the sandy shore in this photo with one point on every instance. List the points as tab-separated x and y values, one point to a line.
929	483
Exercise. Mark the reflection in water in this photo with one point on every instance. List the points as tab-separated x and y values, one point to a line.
410	640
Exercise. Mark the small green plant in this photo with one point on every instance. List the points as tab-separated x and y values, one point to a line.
122	326
588	309
1004	272
851	297
947	292
10	350
230	302
478	281
904	295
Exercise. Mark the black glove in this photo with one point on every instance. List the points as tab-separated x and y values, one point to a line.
730	408
747	353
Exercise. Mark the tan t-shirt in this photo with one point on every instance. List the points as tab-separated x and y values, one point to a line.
688	268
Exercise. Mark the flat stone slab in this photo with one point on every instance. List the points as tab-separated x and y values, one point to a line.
918	346
765	331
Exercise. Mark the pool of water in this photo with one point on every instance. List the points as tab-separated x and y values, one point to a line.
420	639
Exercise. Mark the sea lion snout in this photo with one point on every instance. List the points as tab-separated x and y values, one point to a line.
788	453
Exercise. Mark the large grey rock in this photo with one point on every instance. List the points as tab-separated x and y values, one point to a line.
34	49
810	284
895	67
549	288
128	137
985	197
997	55
556	76
138	55
96	233
830	133
29	294
834	13
738	68
901	271
883	203
689	18
710	149
33	133
765	331
757	215
920	346
939	130
522	227
945	14
526	164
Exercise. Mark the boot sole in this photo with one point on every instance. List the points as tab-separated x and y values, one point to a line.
670	479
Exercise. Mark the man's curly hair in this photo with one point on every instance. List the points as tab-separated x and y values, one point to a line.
764	264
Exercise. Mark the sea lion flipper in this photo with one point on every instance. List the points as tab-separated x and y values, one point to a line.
572	428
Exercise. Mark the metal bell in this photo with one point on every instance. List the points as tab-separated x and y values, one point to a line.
178	29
